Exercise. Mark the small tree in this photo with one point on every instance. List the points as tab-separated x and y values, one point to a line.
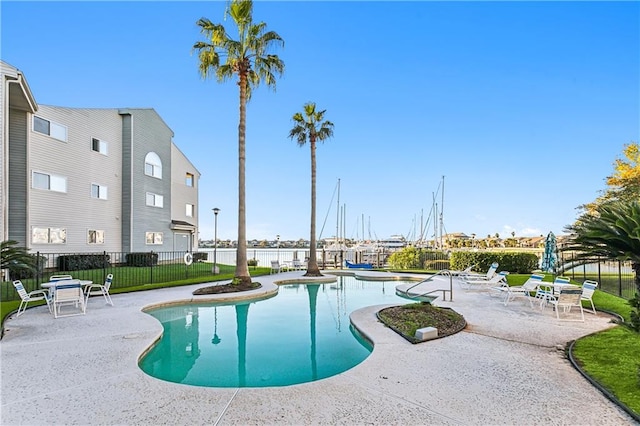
624	182
16	259
612	231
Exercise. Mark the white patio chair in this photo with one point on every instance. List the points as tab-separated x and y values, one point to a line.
99	289
588	288
60	277
565	300
68	293
32	296
275	267
546	292
524	290
297	265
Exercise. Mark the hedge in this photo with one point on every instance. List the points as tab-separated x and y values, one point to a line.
142	259
79	262
480	261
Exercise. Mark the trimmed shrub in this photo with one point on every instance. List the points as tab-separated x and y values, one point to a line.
77	262
415	258
142	259
436	265
514	262
200	256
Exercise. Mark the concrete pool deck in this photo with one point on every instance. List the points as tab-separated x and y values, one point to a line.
506	367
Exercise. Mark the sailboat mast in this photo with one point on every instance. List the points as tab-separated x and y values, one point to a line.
435	222
442	212
338	215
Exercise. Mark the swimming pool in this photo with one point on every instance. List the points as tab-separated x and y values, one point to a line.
303	334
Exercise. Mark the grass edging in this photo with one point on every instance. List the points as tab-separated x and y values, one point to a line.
597	384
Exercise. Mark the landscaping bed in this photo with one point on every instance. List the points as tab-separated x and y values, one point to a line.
406	319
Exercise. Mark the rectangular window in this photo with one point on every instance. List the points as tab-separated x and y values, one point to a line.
98	191
154	238
98	145
154	200
189	211
49	128
48	236
95	237
49	182
189	179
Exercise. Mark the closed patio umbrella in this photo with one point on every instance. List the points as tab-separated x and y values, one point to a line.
549	258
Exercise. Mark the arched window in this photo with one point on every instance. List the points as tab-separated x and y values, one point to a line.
153	165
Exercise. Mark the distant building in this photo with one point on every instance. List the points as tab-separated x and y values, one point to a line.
91	180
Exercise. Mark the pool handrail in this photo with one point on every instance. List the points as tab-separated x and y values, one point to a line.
443	272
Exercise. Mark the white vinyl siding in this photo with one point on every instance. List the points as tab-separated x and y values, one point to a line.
98	191
48	235
49	182
49	128
154	200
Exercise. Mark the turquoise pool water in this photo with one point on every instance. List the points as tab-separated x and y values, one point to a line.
301	335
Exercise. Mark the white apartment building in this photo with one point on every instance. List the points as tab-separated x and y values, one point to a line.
83	180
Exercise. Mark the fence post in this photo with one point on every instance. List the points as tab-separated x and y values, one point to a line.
151	266
104	266
39	270
619	279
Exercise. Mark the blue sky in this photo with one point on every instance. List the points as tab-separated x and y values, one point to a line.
523	107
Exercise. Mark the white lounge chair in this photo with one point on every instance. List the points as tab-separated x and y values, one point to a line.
99	289
468	275
531	285
32	296
495	281
588	288
567	299
68	293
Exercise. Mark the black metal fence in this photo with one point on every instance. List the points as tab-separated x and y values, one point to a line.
614	277
146	268
128	269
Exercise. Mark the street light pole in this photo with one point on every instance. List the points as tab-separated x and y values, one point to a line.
278	247
215	240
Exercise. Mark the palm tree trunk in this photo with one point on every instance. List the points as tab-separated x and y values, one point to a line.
312	264
242	269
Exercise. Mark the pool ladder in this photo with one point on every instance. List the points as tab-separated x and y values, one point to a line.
425	297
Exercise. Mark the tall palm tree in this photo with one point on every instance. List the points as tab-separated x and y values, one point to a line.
310	125
246	58
611	232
